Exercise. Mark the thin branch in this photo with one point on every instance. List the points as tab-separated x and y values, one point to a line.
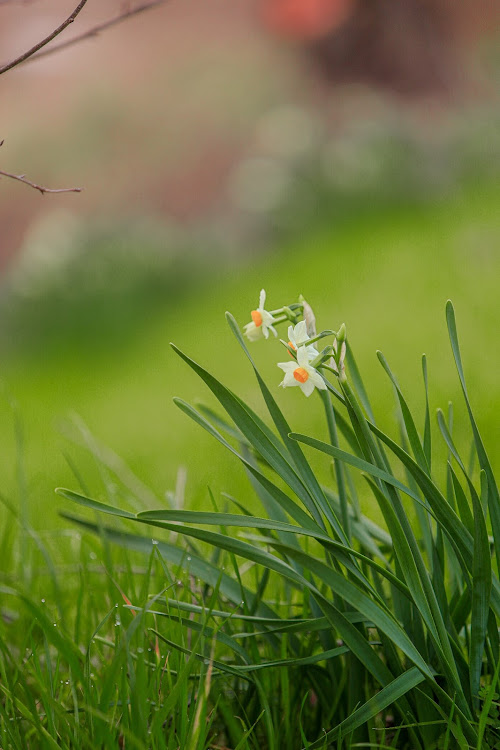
49	38
41	188
95	30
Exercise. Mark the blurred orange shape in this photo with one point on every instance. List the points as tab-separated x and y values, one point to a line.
305	19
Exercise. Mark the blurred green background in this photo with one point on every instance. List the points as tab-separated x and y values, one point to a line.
377	200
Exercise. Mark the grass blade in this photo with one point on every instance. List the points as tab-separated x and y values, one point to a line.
481	588
389	695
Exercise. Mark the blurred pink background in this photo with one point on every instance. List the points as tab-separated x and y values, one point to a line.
153	115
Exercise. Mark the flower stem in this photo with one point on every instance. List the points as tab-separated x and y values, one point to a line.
339	469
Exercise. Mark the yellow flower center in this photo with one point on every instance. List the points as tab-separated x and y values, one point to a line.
256	317
301	375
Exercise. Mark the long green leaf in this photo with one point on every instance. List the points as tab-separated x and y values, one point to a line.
357	463
355	376
406	560
278	495
481	589
201	518
290	507
447	662
427	440
484	462
411	429
174	554
259	436
458	534
389	695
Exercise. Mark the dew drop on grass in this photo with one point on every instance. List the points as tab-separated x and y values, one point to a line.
140	650
154	541
43	601
188	558
55	624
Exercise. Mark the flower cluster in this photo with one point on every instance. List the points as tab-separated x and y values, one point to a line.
307	365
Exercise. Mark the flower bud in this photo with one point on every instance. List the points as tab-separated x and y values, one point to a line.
308	317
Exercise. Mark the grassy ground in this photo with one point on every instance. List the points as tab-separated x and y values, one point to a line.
386	273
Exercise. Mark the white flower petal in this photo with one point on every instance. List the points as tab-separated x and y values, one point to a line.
252	332
303	357
289	381
300	333
312	352
267	318
288	366
316	379
262	299
307	388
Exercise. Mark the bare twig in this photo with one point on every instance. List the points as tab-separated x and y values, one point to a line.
95	30
35	52
22	178
41	188
49	38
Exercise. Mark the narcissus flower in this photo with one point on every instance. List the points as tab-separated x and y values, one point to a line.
302	373
298	337
262	321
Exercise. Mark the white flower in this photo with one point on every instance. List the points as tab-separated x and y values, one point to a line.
298	337
302	373
262	321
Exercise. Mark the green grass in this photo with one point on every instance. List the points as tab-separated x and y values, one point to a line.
79	668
